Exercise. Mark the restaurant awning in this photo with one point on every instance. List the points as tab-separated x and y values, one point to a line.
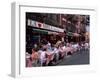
40	31
44	31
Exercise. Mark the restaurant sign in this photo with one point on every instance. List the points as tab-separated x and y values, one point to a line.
44	26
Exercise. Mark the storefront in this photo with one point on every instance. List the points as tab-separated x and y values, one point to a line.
41	34
37	33
75	37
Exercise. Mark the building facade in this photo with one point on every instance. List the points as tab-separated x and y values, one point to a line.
43	27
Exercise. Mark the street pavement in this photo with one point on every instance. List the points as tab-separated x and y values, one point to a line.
79	58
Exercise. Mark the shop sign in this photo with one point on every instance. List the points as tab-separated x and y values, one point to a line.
39	24
28	22
47	27
31	23
57	29
44	26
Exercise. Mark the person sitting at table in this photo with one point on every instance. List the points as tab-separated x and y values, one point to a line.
28	60
61	51
49	45
56	53
69	49
34	57
49	56
43	56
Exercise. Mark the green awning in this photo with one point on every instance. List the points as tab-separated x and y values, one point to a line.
40	31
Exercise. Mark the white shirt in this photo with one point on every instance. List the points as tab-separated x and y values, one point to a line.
56	51
42	55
